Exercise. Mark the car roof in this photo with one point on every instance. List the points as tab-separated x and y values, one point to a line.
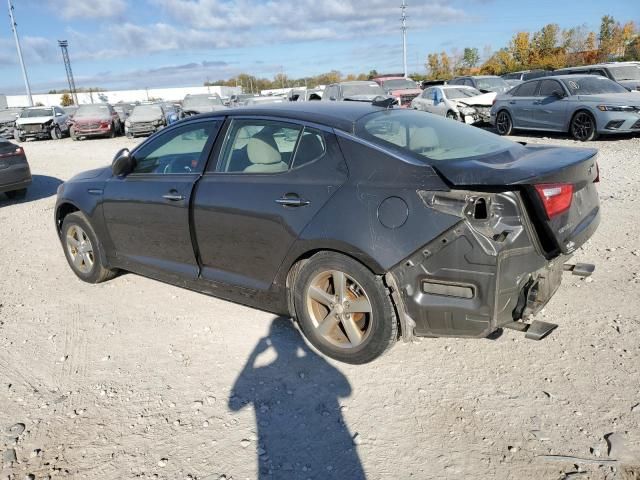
358	82
453	86
338	115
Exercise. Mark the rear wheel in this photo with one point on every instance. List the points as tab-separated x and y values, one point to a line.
583	127
83	249
504	124
343	309
17	194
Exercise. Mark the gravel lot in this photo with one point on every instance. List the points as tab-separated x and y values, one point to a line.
136	379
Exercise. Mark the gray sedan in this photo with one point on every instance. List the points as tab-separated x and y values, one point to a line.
15	175
583	105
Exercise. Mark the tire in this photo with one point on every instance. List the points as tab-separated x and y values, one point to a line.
17	136
17	194
112	133
354	337
77	235
452	115
72	134
504	124
129	135
56	133
583	127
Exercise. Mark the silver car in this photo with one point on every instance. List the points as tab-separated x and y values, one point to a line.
583	105
457	102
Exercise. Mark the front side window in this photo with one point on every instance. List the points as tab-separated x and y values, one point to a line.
181	150
259	146
430	137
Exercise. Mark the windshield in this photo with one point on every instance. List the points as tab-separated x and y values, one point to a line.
201	101
362	89
399	84
629	72
593	85
36	112
430	136
92	111
147	110
491	83
460	92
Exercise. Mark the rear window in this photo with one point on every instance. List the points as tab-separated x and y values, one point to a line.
428	136
593	85
630	72
93	111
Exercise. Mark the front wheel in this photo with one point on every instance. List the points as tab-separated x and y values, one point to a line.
56	133
504	124
343	309
583	127
83	249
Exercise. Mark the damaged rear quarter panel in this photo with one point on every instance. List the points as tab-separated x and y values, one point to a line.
468	280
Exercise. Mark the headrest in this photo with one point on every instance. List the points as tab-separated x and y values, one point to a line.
263	150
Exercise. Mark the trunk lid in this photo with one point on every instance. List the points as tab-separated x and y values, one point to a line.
533	170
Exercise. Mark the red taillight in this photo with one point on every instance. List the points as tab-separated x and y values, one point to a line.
556	197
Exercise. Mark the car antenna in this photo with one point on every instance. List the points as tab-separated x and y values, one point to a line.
383	102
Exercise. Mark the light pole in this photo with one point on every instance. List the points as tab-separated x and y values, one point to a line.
24	70
404	37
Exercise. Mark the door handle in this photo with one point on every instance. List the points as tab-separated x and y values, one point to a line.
173	196
291	201
512	102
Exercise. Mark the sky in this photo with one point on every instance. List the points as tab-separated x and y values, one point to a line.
124	44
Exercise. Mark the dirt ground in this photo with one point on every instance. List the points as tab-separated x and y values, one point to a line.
136	379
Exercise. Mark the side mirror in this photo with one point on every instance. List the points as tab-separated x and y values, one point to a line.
123	163
558	93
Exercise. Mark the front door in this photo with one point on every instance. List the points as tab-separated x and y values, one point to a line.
271	179
147	211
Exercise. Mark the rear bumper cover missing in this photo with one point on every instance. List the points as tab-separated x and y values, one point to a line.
483	273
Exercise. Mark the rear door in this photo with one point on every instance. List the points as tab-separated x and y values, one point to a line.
521	105
272	177
550	110
147	211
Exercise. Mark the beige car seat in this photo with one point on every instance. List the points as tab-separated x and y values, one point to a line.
264	155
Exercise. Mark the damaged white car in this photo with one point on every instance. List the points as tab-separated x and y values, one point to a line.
41	122
458	102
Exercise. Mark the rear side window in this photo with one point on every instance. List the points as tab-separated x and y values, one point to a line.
547	87
526	89
259	146
311	147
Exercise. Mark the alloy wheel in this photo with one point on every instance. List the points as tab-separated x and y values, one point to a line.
80	249
340	309
503	123
582	126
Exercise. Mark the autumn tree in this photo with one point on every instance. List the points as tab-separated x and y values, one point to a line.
470	57
66	100
520	48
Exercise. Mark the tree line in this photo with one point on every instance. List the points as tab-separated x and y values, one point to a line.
548	48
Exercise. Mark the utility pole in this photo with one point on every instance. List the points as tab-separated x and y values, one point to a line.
14	27
63	44
404	36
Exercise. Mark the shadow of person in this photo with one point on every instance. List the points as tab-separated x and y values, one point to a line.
295	392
